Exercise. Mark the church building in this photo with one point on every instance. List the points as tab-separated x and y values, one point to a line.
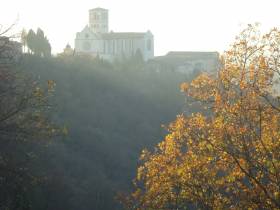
95	39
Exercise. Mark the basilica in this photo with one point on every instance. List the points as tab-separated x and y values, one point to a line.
95	39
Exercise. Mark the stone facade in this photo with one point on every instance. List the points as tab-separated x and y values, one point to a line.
95	39
98	20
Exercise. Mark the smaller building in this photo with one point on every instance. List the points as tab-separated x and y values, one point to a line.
68	50
10	51
186	62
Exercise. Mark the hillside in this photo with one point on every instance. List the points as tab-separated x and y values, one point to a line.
112	112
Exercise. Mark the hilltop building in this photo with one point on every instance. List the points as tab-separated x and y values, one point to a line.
186	62
10	51
68	51
95	39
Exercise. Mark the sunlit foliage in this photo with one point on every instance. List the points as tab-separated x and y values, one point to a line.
228	155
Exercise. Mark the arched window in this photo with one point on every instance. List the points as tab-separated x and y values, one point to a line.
149	44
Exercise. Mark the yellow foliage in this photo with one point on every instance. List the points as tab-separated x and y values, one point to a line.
233	154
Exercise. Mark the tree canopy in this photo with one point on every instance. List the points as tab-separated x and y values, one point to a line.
227	156
37	42
25	127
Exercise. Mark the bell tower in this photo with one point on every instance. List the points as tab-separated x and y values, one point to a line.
98	20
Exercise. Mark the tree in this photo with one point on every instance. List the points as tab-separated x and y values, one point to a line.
43	45
38	43
228	156
31	40
23	37
24	129
138	57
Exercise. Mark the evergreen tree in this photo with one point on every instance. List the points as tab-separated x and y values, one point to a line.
30	40
38	43
23	38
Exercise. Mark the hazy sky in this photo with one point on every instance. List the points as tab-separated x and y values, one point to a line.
200	25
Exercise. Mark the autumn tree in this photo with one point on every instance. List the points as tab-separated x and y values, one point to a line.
228	155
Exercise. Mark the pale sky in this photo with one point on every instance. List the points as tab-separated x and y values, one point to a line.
177	25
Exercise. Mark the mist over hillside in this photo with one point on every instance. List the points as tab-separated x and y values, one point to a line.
112	112
139	105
